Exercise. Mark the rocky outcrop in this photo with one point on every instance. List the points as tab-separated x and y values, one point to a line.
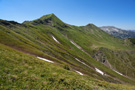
100	56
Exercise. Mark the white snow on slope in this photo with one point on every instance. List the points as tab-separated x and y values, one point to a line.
45	59
117	72
78	46
81	62
55	39
79	73
75	44
99	71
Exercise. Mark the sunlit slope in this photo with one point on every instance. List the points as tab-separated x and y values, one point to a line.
122	61
67	45
22	71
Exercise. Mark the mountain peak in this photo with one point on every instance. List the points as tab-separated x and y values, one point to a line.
48	16
90	24
49	19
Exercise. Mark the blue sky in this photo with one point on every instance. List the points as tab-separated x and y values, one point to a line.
119	13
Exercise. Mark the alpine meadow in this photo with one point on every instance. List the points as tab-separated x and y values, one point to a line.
48	54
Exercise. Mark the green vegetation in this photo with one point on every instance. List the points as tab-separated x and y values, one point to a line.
35	38
122	61
132	40
22	71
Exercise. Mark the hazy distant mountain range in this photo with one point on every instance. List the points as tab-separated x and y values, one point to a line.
117	32
132	30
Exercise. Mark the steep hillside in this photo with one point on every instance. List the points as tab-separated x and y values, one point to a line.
117	32
22	71
132	40
86	50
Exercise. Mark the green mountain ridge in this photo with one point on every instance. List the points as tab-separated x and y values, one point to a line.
49	19
74	48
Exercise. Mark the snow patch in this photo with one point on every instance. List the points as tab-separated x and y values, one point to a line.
45	59
78	46
117	72
99	71
55	39
79	72
81	62
75	44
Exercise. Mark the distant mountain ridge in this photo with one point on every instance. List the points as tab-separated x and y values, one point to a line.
117	32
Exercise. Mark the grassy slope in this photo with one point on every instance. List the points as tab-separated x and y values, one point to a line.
132	40
123	61
60	54
98	39
22	71
35	38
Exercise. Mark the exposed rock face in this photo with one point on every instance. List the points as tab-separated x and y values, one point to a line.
100	56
